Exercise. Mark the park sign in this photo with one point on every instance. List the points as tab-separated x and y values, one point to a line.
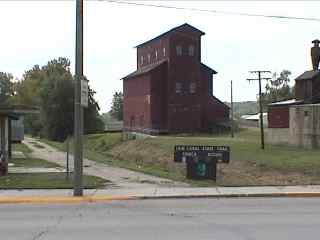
184	153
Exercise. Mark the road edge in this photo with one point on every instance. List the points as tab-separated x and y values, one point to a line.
108	198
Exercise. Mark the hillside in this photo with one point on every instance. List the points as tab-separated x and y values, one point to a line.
242	108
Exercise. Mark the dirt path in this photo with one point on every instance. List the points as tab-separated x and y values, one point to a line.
119	176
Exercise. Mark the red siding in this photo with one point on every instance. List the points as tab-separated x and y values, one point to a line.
278	117
136	102
166	110
152	48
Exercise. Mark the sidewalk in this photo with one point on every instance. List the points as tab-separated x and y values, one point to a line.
98	195
120	177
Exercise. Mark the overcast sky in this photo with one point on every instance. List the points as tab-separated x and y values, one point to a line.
33	32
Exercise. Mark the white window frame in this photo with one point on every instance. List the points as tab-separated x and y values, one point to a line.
178	87
164	51
179	50
192	87
141	60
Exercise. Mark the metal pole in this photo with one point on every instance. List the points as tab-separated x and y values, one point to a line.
261	113
68	149
232	126
78	117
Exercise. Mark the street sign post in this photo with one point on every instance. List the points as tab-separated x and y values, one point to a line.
201	160
84	92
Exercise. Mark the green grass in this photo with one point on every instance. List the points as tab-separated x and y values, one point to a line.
47	181
20	147
32	162
249	165
42	180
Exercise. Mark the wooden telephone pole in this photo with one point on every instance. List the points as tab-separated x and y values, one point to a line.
260	103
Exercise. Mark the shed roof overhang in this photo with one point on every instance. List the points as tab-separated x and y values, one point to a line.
144	70
15	110
308	75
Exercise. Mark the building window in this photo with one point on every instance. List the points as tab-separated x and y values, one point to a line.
191	50
156	55
141	60
179	50
178	87
192	87
149	58
164	51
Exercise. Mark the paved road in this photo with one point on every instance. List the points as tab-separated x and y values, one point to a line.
119	176
220	219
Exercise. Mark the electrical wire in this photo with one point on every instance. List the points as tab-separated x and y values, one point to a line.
213	11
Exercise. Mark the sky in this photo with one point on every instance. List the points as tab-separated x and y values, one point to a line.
34	32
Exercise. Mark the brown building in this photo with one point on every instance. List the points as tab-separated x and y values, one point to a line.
307	91
296	122
171	90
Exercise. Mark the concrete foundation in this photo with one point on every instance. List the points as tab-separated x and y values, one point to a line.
277	136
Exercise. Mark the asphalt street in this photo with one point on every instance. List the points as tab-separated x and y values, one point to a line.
243	218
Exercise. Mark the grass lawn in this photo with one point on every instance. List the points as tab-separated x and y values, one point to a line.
47	181
20	147
249	165
42	180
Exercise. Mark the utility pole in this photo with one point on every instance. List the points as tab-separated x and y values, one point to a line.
232	126
78	112
260	102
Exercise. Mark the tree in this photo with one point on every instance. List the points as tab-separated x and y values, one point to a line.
93	123
51	88
28	93
5	87
117	106
278	89
57	100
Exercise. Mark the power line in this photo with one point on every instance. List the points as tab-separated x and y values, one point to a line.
213	11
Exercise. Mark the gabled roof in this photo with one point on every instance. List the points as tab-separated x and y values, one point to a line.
170	31
309	75
208	69
144	70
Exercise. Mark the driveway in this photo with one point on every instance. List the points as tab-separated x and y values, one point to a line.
120	177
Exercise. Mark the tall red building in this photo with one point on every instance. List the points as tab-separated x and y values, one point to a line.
171	90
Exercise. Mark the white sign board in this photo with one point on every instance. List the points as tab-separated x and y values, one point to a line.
84	93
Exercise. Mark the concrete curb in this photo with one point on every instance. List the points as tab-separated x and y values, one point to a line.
235	195
107	198
60	199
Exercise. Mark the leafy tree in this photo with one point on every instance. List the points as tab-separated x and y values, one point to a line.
5	87
51	88
56	100
28	93
117	106
278	89
93	122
